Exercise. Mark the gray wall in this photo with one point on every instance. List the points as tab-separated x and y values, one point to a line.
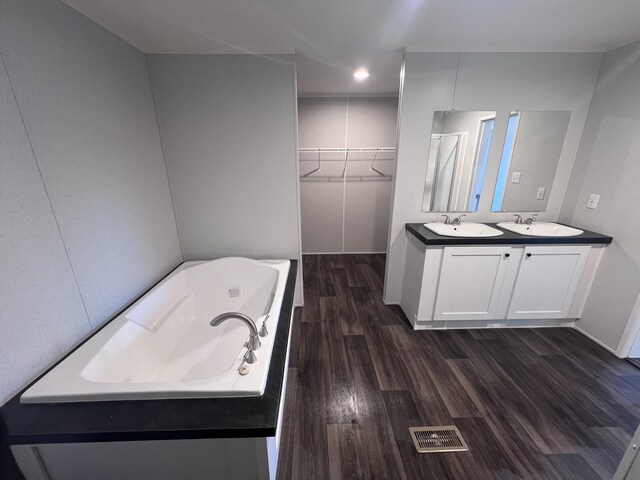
608	164
86	221
228	131
484	81
354	122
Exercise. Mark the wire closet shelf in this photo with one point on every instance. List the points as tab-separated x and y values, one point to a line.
371	162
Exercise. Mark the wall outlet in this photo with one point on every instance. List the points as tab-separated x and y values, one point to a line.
592	203
540	195
515	177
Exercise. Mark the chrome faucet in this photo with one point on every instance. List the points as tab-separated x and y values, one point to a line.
263	329
253	343
528	221
455	221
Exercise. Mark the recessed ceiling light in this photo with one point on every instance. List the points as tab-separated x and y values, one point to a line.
361	74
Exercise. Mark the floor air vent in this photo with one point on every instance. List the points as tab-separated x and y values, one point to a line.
437	439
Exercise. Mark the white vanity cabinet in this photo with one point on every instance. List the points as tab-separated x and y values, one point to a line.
496	285
547	281
470	282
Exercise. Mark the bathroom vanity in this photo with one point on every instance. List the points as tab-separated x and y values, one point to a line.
502	281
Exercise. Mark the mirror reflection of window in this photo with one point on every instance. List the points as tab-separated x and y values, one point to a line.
505	161
529	160
458	154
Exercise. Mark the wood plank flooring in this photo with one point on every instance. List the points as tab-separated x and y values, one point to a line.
530	403
634	361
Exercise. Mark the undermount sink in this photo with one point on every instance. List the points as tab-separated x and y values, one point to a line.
541	229
464	229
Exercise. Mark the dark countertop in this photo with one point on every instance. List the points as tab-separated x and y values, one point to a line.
128	420
508	238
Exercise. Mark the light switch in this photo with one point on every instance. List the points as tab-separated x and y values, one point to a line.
515	177
540	195
592	203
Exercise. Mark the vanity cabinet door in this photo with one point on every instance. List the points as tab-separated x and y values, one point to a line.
547	281
470	282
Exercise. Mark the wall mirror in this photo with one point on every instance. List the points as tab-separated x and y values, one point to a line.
529	160
458	154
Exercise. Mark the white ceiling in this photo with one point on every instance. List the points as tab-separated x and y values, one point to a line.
333	37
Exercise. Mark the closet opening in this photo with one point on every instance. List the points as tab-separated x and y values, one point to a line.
346	154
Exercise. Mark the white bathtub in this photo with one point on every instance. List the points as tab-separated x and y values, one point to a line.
163	345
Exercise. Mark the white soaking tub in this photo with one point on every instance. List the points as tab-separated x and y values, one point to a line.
163	346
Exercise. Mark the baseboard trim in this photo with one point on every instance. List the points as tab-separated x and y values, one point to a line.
484	327
343	253
490	324
592	338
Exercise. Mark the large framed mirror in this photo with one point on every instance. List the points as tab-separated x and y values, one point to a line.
529	160
458	155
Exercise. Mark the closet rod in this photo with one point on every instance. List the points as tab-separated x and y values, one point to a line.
345	153
358	149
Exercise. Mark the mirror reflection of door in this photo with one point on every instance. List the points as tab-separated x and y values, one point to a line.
458	155
447	148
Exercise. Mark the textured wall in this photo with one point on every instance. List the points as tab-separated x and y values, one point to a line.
42	313
87	222
228	130
608	164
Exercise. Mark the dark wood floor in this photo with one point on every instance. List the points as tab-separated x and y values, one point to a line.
634	361
531	403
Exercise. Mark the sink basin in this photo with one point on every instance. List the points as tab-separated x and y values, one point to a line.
465	229
541	229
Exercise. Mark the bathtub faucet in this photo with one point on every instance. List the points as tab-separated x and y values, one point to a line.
254	342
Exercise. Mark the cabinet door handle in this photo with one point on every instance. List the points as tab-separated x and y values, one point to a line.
529	255
507	255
